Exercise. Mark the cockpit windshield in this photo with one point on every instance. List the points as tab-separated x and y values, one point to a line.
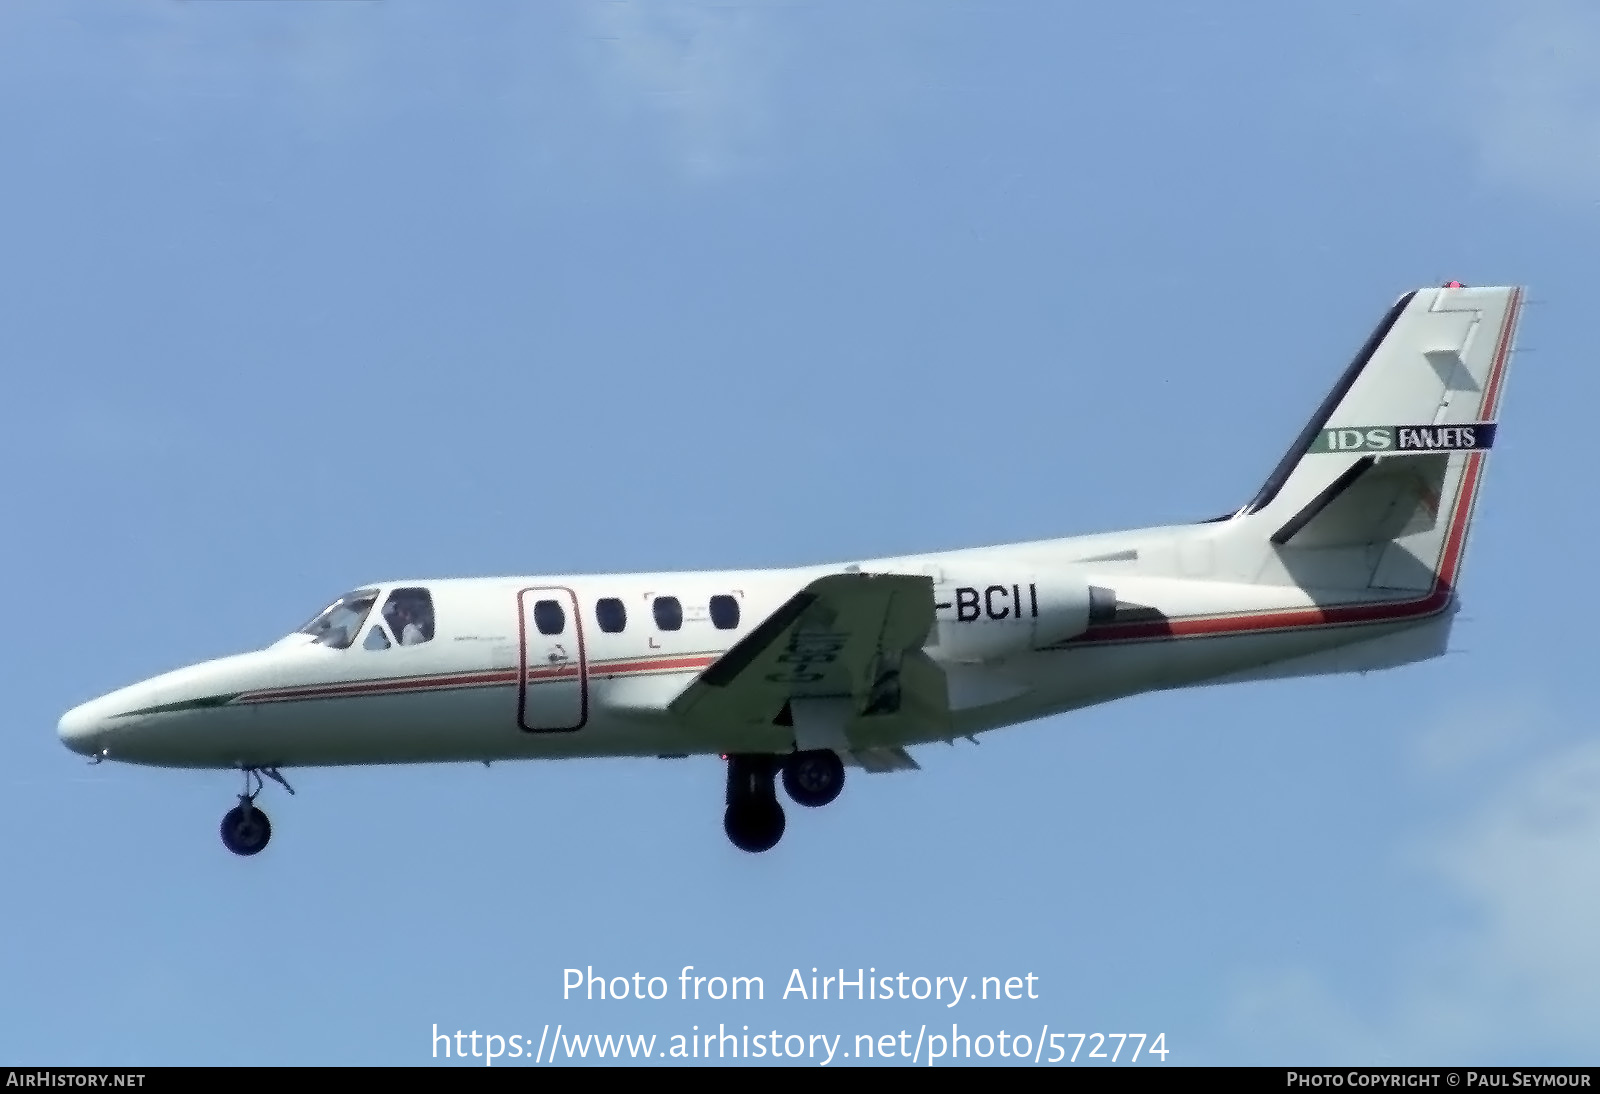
338	624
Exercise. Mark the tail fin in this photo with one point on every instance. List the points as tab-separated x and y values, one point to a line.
1379	488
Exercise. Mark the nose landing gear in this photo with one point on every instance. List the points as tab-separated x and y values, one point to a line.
245	827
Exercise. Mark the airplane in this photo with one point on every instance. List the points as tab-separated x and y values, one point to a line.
1347	559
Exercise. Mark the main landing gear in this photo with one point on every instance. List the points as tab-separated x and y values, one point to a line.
754	820
245	828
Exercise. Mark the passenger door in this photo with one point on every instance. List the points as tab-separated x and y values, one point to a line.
554	694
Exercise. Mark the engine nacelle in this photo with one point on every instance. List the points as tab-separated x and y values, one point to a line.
987	614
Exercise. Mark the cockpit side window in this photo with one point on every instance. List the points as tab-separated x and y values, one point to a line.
376	638
409	614
337	625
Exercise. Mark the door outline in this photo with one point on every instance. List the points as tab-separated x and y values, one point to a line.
523	683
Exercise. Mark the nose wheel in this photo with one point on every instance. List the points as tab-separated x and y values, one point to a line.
245	827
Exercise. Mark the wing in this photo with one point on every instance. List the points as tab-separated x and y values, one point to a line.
841	662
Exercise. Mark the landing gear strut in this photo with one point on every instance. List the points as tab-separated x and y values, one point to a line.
245	828
754	819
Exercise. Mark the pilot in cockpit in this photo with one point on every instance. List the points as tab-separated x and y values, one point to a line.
407	618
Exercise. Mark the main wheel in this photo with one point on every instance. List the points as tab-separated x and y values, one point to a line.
813	779
244	832
754	826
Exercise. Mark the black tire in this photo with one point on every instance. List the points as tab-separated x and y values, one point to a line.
813	779
754	826
245	833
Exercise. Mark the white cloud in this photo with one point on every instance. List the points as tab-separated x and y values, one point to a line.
188	59
1531	863
697	77
1519	977
703	71
1479	731
1293	1017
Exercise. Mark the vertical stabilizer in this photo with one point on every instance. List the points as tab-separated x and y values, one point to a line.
1379	489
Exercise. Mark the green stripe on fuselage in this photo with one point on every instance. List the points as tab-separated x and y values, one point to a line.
205	703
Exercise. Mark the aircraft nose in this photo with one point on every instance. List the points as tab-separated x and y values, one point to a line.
82	728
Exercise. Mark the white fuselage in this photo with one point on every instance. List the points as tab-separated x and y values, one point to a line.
490	684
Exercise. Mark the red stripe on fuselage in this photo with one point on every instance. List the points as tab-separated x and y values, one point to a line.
475	679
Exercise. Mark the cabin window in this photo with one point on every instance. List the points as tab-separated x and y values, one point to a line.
668	613
549	618
611	615
376	638
724	612
409	614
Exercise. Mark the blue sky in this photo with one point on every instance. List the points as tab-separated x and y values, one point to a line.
298	296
